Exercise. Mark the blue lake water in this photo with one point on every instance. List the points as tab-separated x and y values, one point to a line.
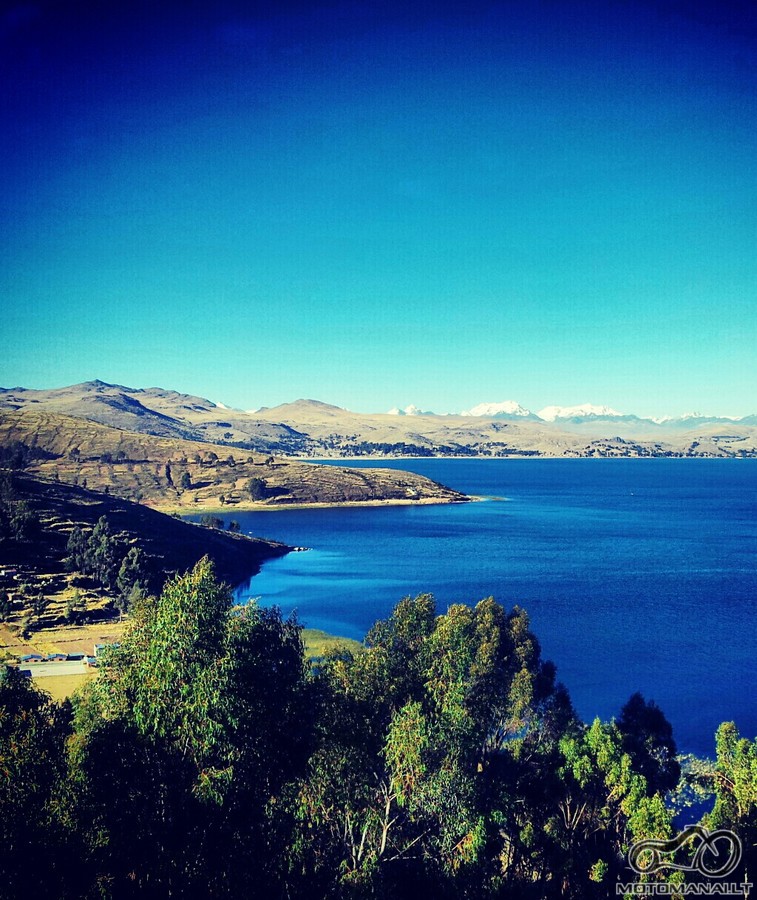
637	574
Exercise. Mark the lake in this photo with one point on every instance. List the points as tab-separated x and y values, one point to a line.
636	574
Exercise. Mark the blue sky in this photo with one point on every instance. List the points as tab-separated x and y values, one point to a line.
377	205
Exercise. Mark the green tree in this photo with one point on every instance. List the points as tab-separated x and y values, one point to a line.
186	740
103	554
39	604
74	607
211	521
410	790
735	784
76	548
648	739
606	805
257	489
32	767
132	574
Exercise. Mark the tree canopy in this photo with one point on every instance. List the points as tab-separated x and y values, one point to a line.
210	758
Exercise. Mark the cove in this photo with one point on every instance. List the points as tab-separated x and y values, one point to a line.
636	574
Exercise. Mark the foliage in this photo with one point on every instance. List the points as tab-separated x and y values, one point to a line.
648	739
32	766
430	729
440	759
18	522
18	455
734	780
257	489
102	555
211	521
196	722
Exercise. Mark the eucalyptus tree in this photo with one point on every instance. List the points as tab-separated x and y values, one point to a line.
33	843
428	731
186	741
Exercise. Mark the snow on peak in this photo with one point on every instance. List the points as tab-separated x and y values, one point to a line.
505	408
585	411
411	410
700	415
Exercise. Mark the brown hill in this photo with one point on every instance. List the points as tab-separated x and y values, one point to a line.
192	475
175	543
156	411
310	428
32	561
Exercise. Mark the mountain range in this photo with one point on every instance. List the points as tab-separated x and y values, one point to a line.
586	412
312	428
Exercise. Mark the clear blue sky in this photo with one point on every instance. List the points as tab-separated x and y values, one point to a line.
375	205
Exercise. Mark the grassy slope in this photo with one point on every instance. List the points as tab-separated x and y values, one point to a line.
133	466
72	640
174	545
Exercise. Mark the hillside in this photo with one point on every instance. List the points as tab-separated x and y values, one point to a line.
192	475
310	428
38	517
155	411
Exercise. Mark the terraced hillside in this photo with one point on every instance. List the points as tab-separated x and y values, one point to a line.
37	519
184	475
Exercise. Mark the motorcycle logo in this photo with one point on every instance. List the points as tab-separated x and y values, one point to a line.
716	853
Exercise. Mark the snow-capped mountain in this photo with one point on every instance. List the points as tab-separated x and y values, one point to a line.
507	409
587	414
692	419
411	410
584	411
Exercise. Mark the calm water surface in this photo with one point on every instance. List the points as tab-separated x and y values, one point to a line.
637	574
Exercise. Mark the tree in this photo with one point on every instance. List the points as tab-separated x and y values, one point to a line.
132	575
735	783
39	604
257	489
648	739
74	607
410	791
77	551
186	741
102	554
32	766
209	521
606	805
186	481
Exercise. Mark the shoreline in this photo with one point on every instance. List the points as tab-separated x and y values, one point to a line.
253	506
515	457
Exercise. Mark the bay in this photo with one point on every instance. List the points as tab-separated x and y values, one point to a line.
638	575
